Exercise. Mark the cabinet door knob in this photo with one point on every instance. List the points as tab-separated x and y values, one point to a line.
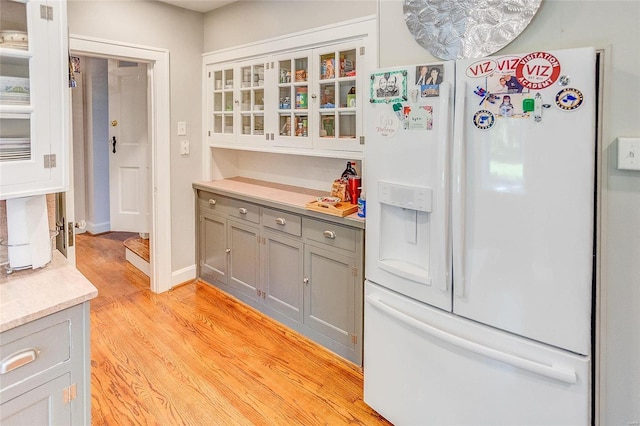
305	280
242	210
281	221
228	251
212	201
329	234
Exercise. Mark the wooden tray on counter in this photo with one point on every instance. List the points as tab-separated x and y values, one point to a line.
341	209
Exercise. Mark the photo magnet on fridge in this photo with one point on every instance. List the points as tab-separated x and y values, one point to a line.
388	86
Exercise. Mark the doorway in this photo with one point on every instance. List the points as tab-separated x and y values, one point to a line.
111	148
157	61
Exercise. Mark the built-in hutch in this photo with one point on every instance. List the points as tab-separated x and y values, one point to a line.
281	117
34	93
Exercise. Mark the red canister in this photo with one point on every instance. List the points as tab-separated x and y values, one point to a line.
353	188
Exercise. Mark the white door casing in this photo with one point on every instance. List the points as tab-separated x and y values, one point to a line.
128	157
160	208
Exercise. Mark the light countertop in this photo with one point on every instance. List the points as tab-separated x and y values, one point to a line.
274	194
32	294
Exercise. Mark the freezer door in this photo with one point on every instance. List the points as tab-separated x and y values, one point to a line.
407	170
425	367
523	205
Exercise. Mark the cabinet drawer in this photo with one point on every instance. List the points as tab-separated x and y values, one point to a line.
244	210
32	354
330	234
282	221
213	202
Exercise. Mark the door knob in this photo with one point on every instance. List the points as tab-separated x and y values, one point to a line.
114	123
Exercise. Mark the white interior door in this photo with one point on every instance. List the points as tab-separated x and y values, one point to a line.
129	147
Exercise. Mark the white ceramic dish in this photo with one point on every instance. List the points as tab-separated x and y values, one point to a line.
329	201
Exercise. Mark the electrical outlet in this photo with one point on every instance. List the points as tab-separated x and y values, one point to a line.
629	153
184	147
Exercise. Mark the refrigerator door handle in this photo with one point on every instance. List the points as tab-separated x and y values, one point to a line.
444	281
459	179
564	375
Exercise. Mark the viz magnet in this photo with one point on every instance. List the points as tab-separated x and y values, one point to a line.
483	119
569	99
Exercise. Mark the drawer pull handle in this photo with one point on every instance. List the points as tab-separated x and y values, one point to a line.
281	221
242	210
212	201
228	251
18	359
329	234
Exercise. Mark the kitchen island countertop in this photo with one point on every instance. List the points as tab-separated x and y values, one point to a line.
28	295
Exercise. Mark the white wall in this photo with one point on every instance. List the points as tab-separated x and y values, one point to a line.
565	24
97	152
158	25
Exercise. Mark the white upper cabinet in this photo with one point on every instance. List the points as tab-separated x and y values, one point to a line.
295	95
34	94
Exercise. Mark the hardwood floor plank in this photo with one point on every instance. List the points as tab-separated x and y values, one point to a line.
197	356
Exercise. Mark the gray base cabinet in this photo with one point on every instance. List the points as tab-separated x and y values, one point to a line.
45	371
304	271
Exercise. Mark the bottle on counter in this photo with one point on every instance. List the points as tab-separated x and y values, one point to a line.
362	205
349	171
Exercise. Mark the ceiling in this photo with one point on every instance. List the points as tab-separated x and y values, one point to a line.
199	5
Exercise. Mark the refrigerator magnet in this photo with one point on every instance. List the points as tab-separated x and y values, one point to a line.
483	119
569	99
386	124
390	86
419	117
538	70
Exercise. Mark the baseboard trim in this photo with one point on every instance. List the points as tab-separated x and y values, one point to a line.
183	275
98	228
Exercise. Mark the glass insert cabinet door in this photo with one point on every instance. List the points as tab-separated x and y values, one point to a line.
252	93
34	74
338	91
223	101
294	100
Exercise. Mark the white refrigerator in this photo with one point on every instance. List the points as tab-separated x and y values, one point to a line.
479	267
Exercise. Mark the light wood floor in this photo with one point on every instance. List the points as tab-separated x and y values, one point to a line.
194	356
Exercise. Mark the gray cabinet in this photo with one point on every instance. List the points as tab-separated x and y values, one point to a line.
213	247
45	370
39	406
244	258
333	296
302	271
283	274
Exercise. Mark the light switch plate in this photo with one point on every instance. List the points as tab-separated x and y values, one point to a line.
182	128
628	153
